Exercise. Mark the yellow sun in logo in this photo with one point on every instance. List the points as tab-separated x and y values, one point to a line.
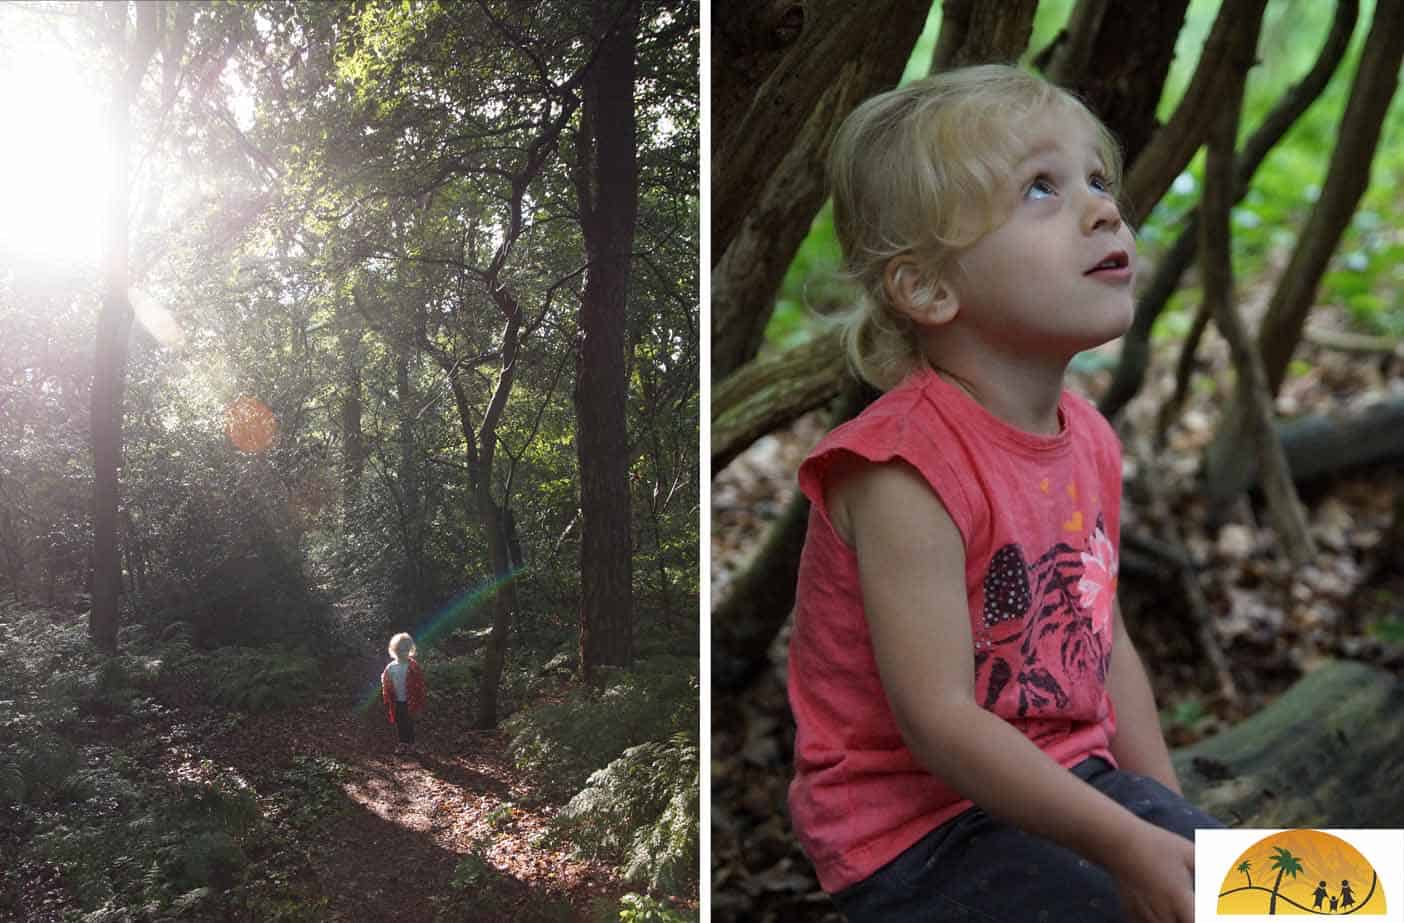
1302	872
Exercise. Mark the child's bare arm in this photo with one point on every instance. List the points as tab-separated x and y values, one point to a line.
1138	746
912	567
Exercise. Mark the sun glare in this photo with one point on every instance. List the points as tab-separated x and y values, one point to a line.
53	161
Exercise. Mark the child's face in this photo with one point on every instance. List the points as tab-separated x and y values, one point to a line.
1057	276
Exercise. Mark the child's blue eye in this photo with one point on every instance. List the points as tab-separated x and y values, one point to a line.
1099	183
1040	188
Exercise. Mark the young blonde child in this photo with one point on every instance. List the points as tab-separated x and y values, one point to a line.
402	687
976	735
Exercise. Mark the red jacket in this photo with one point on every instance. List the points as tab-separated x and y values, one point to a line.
414	686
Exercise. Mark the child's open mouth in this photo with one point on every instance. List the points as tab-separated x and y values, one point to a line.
1115	265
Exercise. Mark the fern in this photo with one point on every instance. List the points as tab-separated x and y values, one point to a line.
641	811
565	741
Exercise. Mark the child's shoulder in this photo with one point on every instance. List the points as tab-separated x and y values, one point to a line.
883	421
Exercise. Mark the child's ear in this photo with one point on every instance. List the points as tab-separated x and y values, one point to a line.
926	300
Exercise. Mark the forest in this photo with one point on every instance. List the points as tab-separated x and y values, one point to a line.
1257	395
324	322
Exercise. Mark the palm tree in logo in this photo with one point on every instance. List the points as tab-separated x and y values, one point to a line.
1244	867
1286	864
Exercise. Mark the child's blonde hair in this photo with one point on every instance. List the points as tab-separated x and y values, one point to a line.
919	170
401	646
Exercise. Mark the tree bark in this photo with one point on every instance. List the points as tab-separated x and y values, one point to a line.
607	188
1135	345
768	154
1325	445
1235	30
746	622
1216	261
982	33
1116	54
1346	179
1306	759
115	320
771	392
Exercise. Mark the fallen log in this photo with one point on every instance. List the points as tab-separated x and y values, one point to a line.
1316	447
1325	754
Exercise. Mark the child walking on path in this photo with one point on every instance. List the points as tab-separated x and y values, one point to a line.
402	688
976	735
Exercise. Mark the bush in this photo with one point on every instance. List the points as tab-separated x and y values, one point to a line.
256	680
36	768
641	811
563	742
157	846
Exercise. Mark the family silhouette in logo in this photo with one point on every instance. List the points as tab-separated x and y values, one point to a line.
1340	901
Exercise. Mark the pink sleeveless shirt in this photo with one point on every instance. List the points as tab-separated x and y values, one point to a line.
1039	518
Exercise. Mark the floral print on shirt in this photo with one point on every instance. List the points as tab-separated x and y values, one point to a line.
1047	625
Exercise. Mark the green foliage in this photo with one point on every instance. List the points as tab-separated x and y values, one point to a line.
36	768
472	872
641	811
501	816
638	908
136	841
256	680
565	741
313	789
641	908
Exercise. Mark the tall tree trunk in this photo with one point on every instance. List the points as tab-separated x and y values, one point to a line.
606	183
115	320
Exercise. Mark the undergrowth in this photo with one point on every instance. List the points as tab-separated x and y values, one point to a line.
629	755
96	788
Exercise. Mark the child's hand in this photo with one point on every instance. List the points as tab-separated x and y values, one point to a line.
1155	875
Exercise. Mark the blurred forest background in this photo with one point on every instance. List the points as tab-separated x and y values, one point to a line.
323	321
1265	157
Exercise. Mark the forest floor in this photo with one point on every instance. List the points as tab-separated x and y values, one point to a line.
1273	622
455	809
452	832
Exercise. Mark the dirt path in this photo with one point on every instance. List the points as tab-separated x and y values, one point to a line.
402	828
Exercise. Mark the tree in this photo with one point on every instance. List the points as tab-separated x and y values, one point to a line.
606	181
1286	864
1243	868
132	55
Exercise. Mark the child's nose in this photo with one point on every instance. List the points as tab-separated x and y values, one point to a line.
1101	213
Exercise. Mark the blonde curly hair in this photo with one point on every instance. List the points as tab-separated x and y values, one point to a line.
919	170
401	646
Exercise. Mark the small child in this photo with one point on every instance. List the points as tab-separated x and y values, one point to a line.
976	735
402	688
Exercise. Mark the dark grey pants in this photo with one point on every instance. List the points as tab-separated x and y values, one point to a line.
975	868
404	723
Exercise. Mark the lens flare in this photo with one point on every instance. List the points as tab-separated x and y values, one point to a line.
251	425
